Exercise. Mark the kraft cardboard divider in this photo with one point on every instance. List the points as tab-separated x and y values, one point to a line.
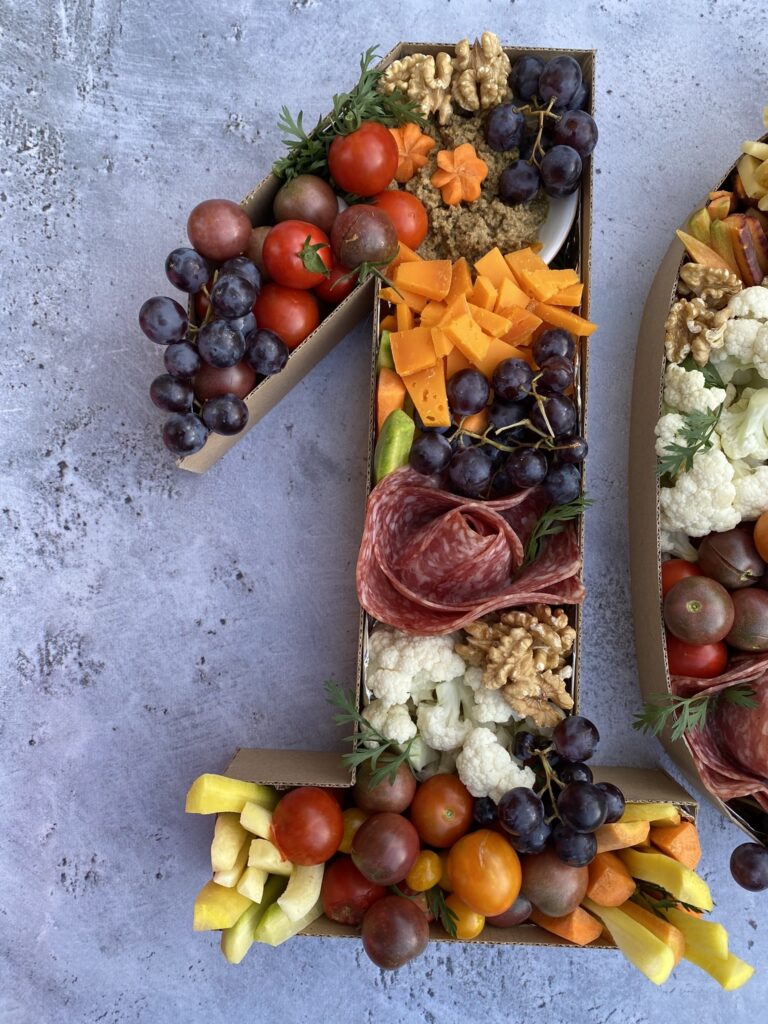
288	768
645	549
579	240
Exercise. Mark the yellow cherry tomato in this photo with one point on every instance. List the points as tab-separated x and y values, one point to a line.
445	881
426	871
353	819
468	922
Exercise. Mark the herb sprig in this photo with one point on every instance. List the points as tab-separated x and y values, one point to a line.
308	150
553	521
368	743
687	713
709	371
698	428
654	898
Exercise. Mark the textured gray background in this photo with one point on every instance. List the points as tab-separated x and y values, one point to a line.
152	621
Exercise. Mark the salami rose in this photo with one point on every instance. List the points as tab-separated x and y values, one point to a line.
431	561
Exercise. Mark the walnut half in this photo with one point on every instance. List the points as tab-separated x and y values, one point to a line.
692	327
714	285
480	73
423	79
523	654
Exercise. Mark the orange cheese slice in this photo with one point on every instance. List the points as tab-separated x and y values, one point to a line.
427	391
412	350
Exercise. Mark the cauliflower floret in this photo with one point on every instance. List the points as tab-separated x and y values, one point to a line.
669	431
489	705
402	667
422	758
750	302
747	341
751	490
487	769
701	500
685	391
732	370
445	725
743	427
675	544
393	721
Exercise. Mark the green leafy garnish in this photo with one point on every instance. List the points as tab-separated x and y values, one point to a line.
687	713
440	910
712	378
553	521
310	257
656	899
308	151
363	735
697	431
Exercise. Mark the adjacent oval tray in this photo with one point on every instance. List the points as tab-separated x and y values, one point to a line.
645	551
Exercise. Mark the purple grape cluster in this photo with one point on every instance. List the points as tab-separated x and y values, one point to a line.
566	807
228	335
532	436
547	124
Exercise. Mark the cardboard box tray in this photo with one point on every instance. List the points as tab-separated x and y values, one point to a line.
645	551
287	768
340	321
577	248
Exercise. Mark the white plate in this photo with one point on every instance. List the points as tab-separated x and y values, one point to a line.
554	231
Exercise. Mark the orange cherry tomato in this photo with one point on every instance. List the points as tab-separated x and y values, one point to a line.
485	872
675	570
442	810
468	922
700	661
293	313
407	213
760	536
353	819
425	872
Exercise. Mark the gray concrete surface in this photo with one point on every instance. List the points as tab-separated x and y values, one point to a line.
152	621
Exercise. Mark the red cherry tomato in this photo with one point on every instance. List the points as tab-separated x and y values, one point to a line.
407	213
307	825
441	810
286	248
701	661
332	289
346	894
292	313
364	162
675	570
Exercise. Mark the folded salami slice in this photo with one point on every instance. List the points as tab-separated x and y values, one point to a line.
431	562
731	750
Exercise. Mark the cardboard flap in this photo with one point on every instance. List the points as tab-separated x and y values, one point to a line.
288	768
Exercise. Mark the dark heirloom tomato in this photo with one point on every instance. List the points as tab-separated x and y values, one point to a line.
698	610
363	234
675	570
346	894
307	825
219	229
364	162
750	626
292	313
286	248
442	810
407	213
212	381
394	931
385	848
700	661
385	795
306	197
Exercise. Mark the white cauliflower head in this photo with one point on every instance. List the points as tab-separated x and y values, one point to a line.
743	427
393	721
701	500
487	769
402	667
489	705
675	544
669	431
445	724
751	490
750	302
686	391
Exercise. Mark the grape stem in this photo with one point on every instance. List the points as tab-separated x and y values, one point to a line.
549	778
535	113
